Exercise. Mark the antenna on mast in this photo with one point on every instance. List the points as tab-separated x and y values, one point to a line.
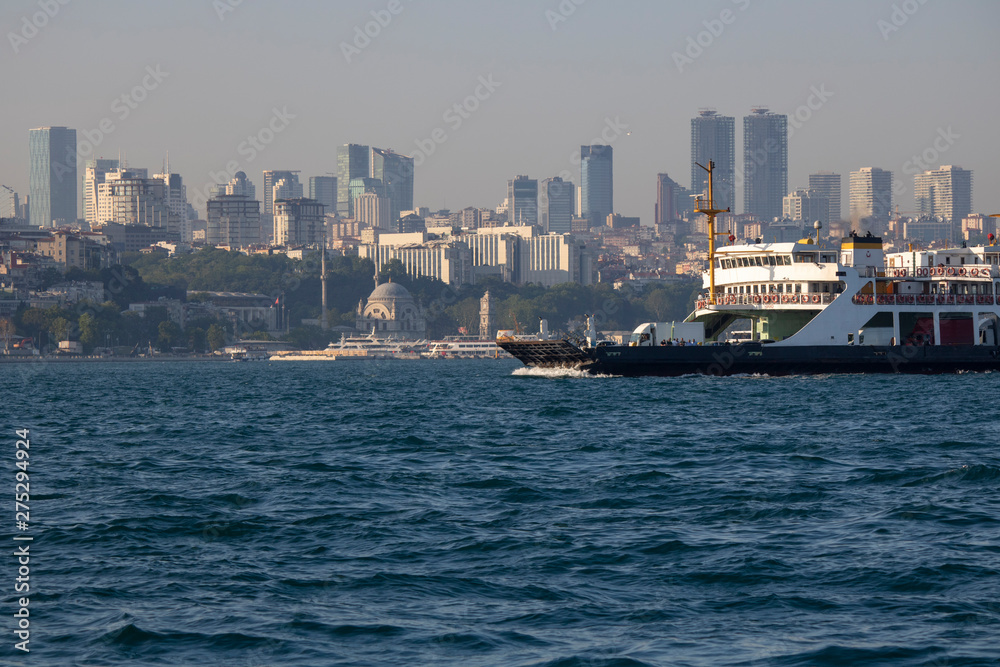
708	208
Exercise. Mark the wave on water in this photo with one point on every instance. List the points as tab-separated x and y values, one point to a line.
555	373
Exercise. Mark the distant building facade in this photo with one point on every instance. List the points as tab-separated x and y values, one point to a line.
597	192
765	163
713	138
944	192
827	184
52	176
298	222
233	220
870	195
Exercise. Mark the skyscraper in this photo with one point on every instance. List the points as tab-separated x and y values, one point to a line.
713	137
352	162
597	192
807	205
666	200
555	205
765	163
93	176
396	173
827	184
324	190
272	178
945	192
52	175
870	194
241	185
522	201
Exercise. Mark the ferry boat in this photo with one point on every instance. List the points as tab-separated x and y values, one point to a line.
356	347
463	347
813	308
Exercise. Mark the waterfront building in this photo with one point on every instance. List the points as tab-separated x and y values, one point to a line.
765	163
713	137
597	193
487	318
52	176
391	311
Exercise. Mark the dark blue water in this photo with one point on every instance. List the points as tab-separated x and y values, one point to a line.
458	513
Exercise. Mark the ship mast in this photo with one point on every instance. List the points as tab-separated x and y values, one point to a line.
708	208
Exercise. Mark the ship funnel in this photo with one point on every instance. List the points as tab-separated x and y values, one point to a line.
543	329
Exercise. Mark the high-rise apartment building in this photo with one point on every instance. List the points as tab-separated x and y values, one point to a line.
241	185
352	162
667	193
597	192
555	205
522	201
128	197
713	138
827	184
807	205
324	190
271	177
52	175
944	192
870	193
233	220
765	163
298	221
373	209
396	173
93	175
175	195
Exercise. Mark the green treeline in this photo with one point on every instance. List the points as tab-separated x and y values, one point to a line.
349	280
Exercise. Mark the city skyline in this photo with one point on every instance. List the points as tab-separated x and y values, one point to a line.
524	112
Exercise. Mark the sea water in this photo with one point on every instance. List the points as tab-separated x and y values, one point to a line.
476	513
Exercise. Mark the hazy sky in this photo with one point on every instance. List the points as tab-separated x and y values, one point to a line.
886	79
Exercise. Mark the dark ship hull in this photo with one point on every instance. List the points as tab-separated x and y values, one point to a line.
753	358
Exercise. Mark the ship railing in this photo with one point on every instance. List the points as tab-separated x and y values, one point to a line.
767	300
968	271
923	299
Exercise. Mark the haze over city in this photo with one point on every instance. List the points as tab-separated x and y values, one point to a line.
863	84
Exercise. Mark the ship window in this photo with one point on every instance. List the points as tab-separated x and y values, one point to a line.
947	260
798	288
770	260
